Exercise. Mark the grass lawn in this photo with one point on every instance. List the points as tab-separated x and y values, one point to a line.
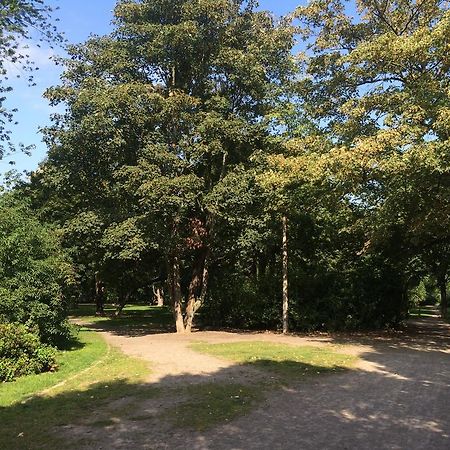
98	386
210	404
82	354
135	318
285	360
423	312
90	375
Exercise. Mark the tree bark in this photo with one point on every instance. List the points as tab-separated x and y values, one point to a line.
205	279
194	300
99	295
175	293
443	290
158	295
123	300
285	276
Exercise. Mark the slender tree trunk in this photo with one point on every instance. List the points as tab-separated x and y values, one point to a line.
443	290
158	295
123	300
205	279
285	277
99	295
175	293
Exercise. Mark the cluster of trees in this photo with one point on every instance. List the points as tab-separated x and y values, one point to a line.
197	151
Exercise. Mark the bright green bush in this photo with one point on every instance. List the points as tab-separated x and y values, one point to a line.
22	353
33	272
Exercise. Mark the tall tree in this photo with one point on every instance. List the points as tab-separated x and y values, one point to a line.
379	83
157	114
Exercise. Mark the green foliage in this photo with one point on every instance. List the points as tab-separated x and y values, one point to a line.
20	21
417	295
33	273
191	130
377	86
242	302
21	353
90	376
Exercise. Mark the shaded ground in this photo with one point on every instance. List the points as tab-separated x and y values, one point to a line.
397	398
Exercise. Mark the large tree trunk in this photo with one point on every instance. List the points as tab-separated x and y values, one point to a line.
194	294
443	289
175	293
285	277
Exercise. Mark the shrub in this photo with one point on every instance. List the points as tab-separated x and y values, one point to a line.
33	273
22	353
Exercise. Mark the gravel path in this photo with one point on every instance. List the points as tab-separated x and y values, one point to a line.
171	357
397	398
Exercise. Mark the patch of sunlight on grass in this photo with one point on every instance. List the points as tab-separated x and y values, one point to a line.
282	359
87	349
133	315
90	376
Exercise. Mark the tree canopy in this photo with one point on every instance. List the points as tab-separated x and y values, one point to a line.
198	152
21	22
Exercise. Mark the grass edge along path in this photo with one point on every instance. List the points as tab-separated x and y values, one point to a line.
90	376
88	349
207	405
285	360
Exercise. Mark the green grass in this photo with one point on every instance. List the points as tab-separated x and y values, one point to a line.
135	318
99	387
422	312
207	405
90	377
89	348
210	404
88	310
285	360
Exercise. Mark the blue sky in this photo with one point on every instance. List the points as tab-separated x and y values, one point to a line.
78	19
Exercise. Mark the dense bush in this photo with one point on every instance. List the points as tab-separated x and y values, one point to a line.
22	353
243	302
33	272
364	293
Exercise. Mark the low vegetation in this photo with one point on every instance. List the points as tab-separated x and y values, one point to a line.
134	318
207	405
281	359
34	273
22	353
90	374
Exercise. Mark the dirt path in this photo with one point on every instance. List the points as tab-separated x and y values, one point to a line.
397	398
171	357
